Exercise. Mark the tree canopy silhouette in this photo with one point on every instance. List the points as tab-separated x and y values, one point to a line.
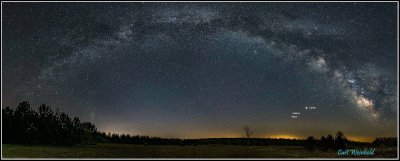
23	125
27	126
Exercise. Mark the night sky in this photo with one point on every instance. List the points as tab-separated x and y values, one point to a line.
197	70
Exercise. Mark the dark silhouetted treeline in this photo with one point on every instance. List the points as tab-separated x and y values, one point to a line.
43	126
328	142
388	142
146	140
341	142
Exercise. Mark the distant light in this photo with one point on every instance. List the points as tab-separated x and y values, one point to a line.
311	108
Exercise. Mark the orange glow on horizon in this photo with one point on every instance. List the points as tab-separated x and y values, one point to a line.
204	135
284	136
360	139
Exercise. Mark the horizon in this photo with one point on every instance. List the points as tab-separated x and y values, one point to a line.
191	70
240	134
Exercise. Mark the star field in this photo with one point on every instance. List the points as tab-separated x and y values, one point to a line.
195	70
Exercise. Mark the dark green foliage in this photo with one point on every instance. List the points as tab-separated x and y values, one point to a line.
340	141
323	146
310	143
7	121
333	143
387	142
27	126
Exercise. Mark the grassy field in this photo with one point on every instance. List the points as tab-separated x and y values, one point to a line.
164	151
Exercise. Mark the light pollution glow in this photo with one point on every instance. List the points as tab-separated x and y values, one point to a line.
192	70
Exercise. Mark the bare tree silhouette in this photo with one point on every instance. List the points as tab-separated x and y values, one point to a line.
248	131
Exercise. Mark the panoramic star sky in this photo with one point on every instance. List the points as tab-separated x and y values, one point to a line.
198	70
